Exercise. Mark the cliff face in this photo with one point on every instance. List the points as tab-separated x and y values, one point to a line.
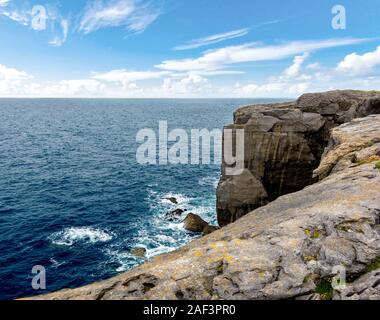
284	143
291	247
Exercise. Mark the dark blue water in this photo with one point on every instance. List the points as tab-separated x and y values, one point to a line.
73	197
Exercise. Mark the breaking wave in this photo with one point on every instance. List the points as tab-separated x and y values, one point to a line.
71	236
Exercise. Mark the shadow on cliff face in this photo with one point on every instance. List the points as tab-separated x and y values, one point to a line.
282	176
284	144
373	107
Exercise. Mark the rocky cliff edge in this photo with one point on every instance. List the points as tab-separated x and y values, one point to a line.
284	144
292	247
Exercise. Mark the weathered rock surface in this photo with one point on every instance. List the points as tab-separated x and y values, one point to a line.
194	223
139	252
353	142
176	213
366	287
281	250
209	229
283	146
173	200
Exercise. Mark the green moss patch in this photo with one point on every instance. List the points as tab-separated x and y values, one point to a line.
220	269
374	265
313	233
377	165
309	258
325	290
343	228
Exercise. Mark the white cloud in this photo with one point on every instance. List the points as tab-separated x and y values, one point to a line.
290	83
314	66
53	22
294	80
193	84
196	43
125	77
360	64
279	89
12	80
19	16
219	72
216	38
18	83
136	15
81	87
294	69
9	74
256	89
219	58
4	3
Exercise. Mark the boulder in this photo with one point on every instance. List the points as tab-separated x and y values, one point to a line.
209	229
194	223
138	252
172	200
262	123
176	213
238	195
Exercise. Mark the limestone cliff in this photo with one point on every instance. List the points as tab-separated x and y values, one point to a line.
283	145
289	248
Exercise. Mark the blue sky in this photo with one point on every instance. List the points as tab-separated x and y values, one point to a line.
182	48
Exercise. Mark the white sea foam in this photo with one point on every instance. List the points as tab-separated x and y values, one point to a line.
164	238
70	236
150	253
159	235
173	226
156	241
181	199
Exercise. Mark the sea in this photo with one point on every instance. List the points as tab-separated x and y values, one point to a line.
74	200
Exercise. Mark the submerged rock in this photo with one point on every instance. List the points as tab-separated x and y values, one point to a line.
138	252
194	223
172	200
176	213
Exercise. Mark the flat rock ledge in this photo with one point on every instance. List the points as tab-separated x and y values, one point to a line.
283	250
